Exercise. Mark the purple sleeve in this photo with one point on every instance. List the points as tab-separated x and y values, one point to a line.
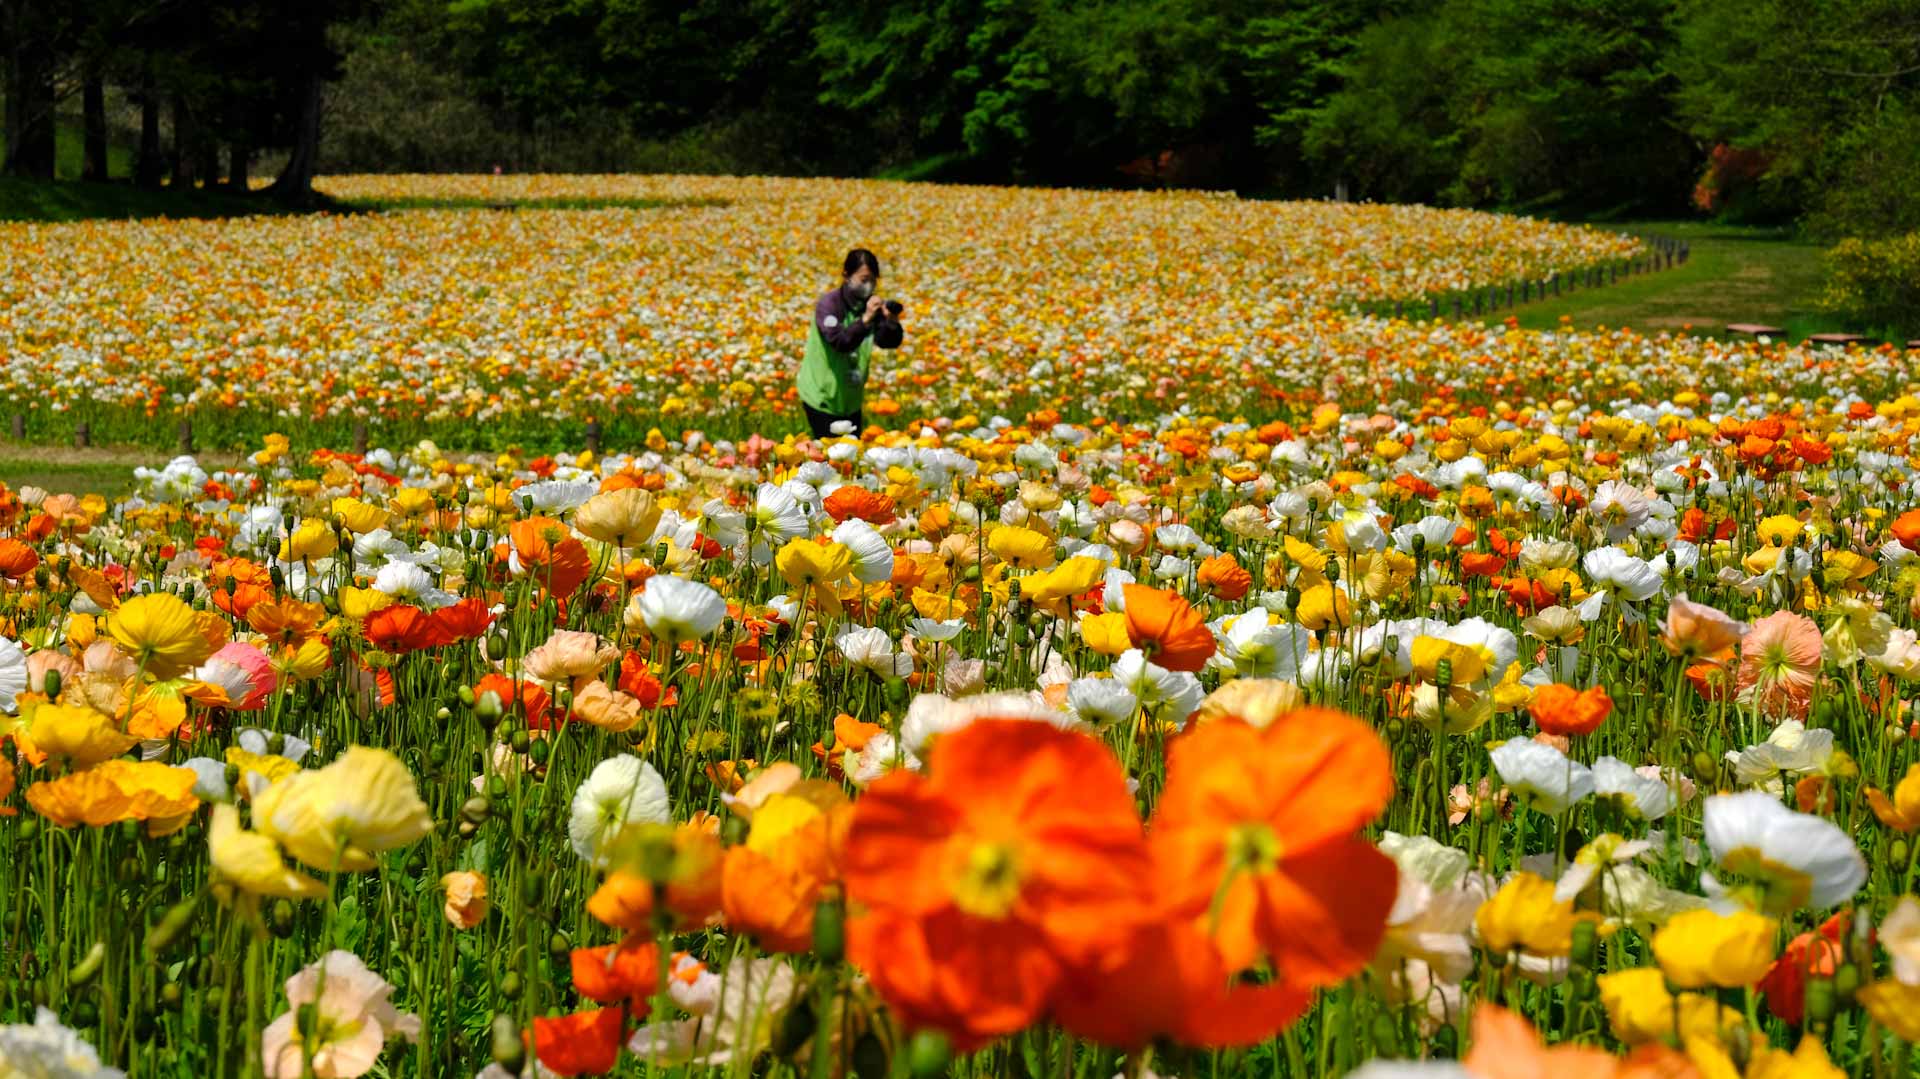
840	332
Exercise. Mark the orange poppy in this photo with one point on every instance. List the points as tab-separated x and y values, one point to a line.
625	900
974	888
773	882
848	502
1224	578
612	973
1173	986
286	621
1255	839
1505	1046
550	554
1167	628
16	559
1563	710
584	1043
1906	529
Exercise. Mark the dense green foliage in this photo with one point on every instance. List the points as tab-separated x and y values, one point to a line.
1755	110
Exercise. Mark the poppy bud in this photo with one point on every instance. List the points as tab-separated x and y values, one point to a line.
171	995
510	985
175	922
559	945
437	754
927	1054
85	1013
540	751
1820	1000
1443	675
1846	982
829	930
466	829
53	685
1386	1035
533	887
488	710
1898	851
1585	945
465	696
520	741
796	1026
88	966
870	1057
476	809
280	919
507	1050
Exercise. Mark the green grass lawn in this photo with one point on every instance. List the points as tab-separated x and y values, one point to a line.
1736	273
104	470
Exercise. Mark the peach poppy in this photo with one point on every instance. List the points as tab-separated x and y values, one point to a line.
584	1043
1779	663
1165	626
1254	839
1563	710
974	888
1506	1046
1696	630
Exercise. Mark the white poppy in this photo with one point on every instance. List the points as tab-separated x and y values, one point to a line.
1775	860
1541	776
675	609
619	792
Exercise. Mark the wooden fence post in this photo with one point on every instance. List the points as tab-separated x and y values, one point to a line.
185	444
593	436
19	427
82	435
360	436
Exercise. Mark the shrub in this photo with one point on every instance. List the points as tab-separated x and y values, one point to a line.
1876	281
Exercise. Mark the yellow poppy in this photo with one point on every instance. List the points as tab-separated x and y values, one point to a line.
342	815
251	862
1701	948
164	635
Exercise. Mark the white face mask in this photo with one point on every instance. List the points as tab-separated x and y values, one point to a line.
860	289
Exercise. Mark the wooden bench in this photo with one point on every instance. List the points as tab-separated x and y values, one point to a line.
1914	345
1835	339
1754	329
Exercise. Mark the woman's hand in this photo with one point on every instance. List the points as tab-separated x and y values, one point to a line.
874	304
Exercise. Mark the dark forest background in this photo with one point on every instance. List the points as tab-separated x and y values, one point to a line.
1803	111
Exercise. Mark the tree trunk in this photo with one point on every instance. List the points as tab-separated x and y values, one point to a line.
294	187
30	130
237	161
182	156
148	166
94	123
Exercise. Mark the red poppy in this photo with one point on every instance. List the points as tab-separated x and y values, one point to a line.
1818	953
402	628
584	1043
463	621
1173	986
1165	626
534	701
637	681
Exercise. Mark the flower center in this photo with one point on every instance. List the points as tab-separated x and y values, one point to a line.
1766	885
986	879
1252	847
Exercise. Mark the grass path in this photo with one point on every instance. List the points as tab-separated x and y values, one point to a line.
1735	274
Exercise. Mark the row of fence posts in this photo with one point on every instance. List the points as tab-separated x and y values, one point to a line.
83	434
1663	253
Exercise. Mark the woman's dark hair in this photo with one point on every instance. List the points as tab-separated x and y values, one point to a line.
857	258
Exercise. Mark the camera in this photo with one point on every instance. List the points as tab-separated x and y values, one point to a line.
886	328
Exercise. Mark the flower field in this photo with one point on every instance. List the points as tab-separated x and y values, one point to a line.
1162	688
483	329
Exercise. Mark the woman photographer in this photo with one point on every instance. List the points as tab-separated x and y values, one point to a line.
848	322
